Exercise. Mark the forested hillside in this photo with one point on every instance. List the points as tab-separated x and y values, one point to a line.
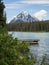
29	26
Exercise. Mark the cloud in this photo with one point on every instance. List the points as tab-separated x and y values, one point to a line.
35	2
40	14
12	6
20	3
46	5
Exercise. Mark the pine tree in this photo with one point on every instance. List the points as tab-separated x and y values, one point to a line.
2	17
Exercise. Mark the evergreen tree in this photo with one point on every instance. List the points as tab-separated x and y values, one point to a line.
2	17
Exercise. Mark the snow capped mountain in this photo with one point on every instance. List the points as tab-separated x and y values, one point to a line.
23	17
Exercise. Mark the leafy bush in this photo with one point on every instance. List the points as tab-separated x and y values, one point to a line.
14	52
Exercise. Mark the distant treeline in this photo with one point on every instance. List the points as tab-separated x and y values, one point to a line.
29	26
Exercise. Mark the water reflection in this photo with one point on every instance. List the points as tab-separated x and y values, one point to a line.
40	49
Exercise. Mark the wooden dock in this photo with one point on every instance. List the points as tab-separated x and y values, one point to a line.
30	41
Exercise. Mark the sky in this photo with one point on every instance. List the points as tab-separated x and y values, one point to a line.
36	8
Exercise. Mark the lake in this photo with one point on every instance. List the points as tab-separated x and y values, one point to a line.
38	49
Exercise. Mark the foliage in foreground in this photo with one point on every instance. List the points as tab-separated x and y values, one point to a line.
14	52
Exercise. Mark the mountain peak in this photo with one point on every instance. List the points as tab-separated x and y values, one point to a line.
24	16
25	13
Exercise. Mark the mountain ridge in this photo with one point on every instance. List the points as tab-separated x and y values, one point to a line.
23	17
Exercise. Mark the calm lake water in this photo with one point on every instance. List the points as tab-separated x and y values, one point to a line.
38	49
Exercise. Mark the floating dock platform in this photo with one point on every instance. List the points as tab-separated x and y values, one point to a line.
30	41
